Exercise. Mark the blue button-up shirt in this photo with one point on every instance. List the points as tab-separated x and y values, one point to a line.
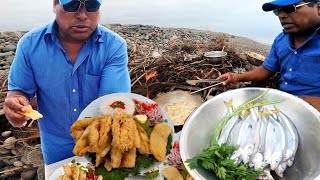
299	67
42	67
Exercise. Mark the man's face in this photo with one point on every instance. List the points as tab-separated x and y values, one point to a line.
303	20
76	26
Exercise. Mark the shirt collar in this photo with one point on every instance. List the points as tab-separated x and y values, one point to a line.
51	33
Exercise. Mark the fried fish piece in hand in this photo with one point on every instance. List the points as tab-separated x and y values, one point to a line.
171	173
129	158
158	141
144	140
123	131
30	113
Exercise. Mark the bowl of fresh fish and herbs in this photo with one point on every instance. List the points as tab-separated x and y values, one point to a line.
252	133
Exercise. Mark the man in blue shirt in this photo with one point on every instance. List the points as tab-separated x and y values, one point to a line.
295	52
66	65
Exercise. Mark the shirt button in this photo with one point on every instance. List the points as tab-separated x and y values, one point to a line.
295	52
73	90
286	83
290	69
74	110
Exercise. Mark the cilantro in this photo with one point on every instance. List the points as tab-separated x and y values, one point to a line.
152	175
216	158
147	127
169	144
165	120
73	161
183	171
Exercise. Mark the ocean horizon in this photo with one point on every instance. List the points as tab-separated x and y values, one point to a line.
241	18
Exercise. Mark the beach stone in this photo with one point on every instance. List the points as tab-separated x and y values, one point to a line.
9	59
10	53
29	174
18	164
9	48
4	152
9	142
155	54
2	40
6	134
40	173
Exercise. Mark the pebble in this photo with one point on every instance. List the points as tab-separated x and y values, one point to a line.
156	54
9	142
18	164
6	134
29	174
6	54
9	48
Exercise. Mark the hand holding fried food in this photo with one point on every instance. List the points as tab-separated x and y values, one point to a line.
171	173
158	141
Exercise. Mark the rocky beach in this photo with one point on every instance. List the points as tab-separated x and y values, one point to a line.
160	60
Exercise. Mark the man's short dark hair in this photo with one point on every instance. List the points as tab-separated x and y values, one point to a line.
56	2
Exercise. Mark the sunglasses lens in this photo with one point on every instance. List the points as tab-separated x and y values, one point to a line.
289	9
72	6
92	6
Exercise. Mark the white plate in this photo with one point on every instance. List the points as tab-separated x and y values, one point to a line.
92	110
59	172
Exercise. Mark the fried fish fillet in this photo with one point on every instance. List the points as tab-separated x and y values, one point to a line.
79	126
105	138
129	158
123	131
144	139
32	114
171	173
116	156
93	136
158	141
82	144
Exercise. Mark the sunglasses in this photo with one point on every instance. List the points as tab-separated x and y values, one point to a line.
289	9
89	6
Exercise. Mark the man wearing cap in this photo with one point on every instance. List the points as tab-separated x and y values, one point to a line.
295	53
66	65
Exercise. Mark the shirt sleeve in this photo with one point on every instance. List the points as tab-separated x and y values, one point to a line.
271	62
21	77
115	75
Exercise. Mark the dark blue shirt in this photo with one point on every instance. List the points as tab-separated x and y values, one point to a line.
42	67
299	67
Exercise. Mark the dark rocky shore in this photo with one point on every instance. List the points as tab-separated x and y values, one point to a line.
148	47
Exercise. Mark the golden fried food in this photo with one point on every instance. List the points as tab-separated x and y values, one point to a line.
93	136
107	164
129	158
123	131
74	172
79	126
32	114
145	142
158	141
171	173
82	145
116	156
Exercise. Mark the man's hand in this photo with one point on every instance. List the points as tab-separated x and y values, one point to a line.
312	100
14	104
232	78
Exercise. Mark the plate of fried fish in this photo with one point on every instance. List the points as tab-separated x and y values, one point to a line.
124	134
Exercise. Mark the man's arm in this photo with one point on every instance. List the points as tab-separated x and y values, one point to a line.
312	100
257	74
14	104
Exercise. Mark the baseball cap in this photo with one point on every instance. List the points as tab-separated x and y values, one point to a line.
64	2
269	6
